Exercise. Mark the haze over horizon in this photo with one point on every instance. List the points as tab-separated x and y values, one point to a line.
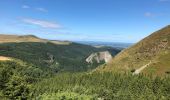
84	20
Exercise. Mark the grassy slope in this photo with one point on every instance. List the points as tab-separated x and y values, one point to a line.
161	67
155	48
27	38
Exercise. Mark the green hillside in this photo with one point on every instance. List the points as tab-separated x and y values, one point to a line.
52	56
153	51
48	55
29	60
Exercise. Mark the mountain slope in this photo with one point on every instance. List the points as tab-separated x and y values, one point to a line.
26	38
46	54
154	48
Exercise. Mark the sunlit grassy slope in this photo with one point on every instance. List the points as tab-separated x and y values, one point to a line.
28	38
154	48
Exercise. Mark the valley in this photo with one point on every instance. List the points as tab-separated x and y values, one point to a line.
84	50
42	69
49	55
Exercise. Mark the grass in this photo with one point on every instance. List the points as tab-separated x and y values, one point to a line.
153	48
161	66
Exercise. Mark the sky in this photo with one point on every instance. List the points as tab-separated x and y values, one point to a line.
84	20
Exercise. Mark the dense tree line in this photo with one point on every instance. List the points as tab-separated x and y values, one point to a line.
23	81
107	86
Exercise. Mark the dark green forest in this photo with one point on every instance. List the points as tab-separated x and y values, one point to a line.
23	81
49	56
106	86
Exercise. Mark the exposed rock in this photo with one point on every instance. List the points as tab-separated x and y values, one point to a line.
50	57
99	57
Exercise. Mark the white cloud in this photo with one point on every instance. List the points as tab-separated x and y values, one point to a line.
42	23
149	14
25	6
164	0
35	8
41	9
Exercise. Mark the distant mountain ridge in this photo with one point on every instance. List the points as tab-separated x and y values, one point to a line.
117	45
27	38
154	48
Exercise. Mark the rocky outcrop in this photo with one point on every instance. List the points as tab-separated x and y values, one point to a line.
99	57
50	58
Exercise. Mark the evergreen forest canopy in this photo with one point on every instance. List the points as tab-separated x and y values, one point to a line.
23	81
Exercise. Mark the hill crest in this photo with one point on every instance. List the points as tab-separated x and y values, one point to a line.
28	38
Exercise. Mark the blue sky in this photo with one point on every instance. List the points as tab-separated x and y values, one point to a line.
84	20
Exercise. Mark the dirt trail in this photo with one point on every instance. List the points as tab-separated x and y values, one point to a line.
2	58
141	68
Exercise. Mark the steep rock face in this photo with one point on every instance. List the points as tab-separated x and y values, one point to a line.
99	57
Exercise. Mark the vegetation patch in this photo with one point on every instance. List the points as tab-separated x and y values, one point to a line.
66	96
